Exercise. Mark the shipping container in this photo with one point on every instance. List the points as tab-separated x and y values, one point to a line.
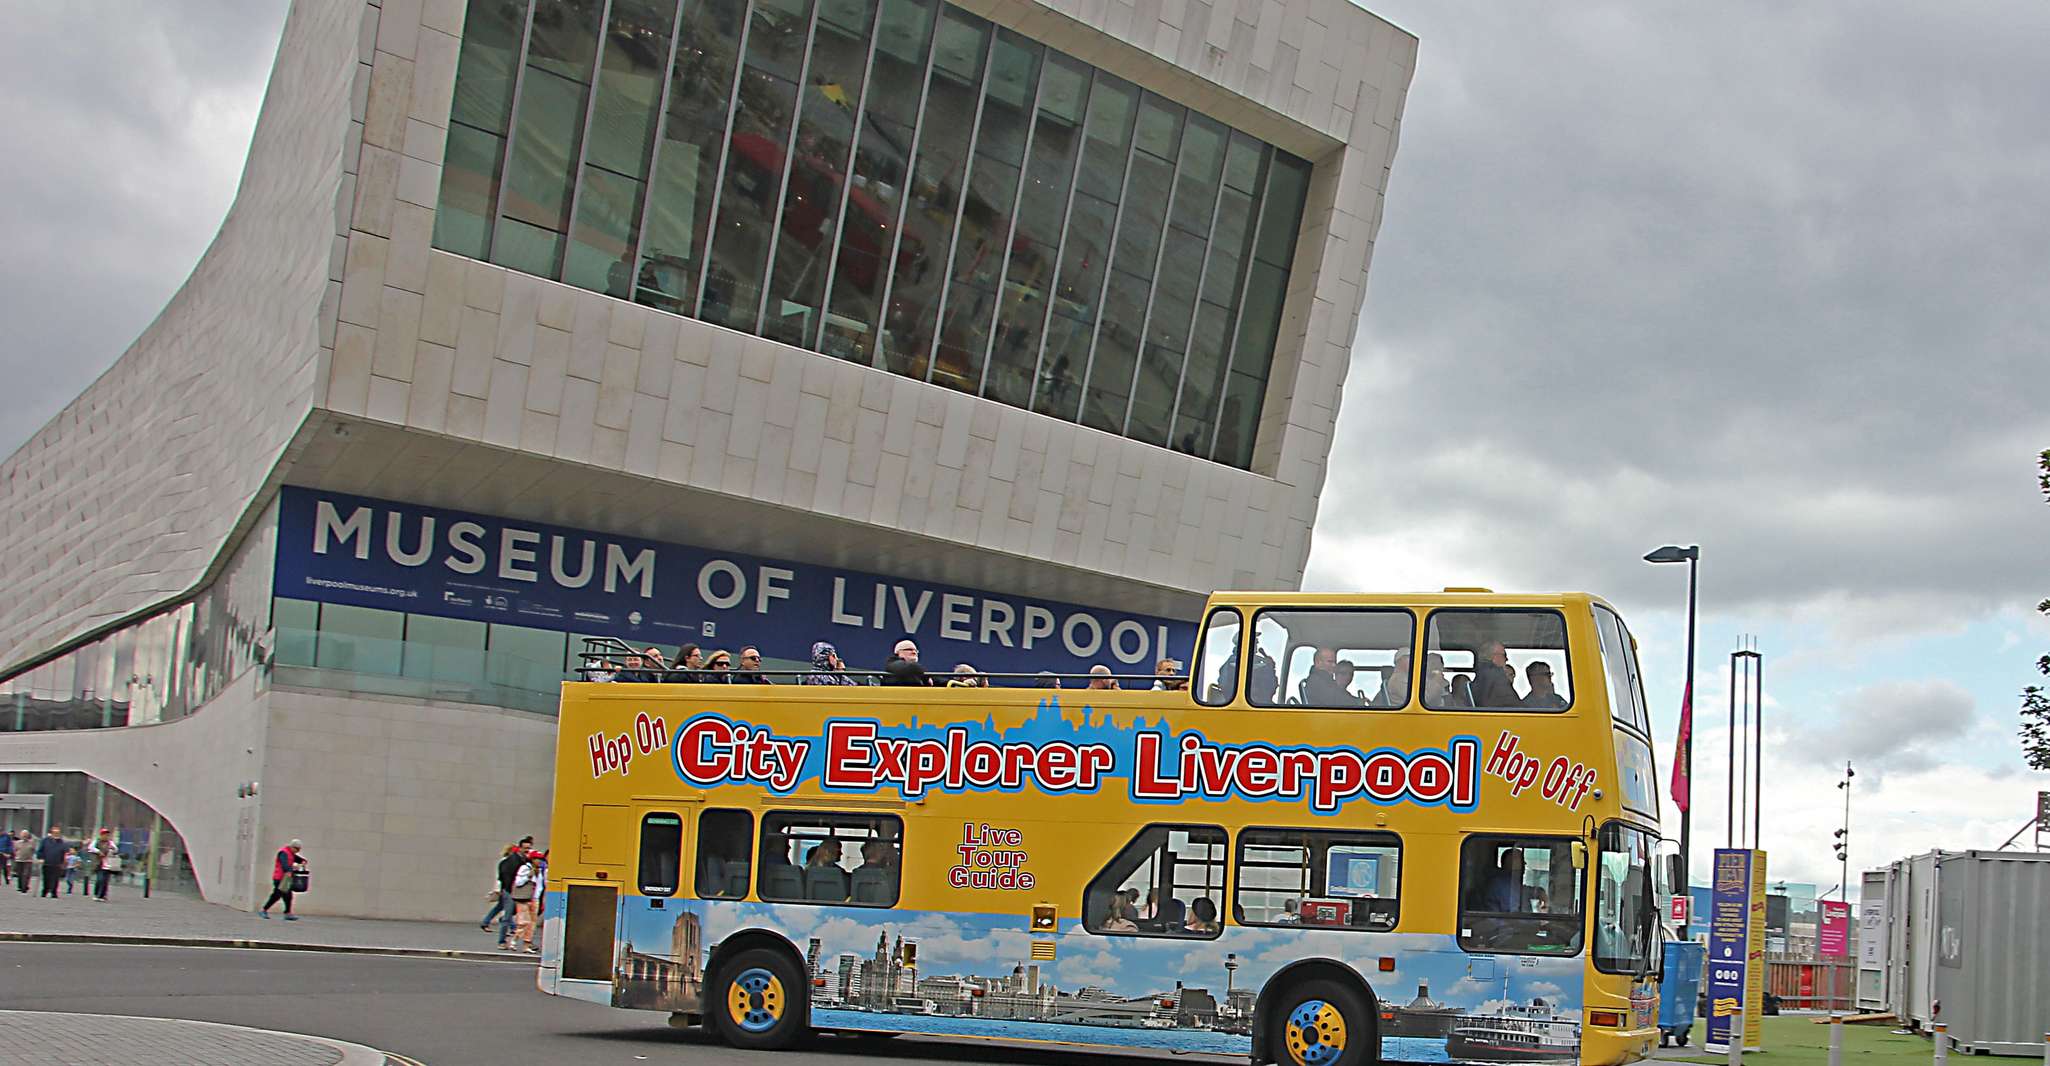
1965	941
1992	962
1872	942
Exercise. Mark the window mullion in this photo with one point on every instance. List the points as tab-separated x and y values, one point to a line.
1174	176
1195	305
512	129
1053	286
989	55
747	22
576	172
1110	252
811	37
868	70
1232	330
633	283
1017	197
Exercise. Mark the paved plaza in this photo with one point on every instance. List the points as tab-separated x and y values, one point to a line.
113	1040
186	919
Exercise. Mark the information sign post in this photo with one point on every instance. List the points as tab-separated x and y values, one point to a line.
1736	948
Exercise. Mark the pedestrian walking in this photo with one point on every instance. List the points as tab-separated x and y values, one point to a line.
51	852
24	859
71	862
502	906
528	885
105	855
282	880
6	859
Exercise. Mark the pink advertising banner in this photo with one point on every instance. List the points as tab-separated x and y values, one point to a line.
1834	940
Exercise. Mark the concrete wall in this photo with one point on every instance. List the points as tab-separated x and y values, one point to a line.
129	495
187	770
404	805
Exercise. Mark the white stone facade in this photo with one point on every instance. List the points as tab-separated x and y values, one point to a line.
322	341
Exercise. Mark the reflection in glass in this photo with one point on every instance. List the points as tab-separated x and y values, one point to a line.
890	181
477	126
755	166
1028	276
985	230
876	194
1085	248
811	205
548	122
622	134
686	162
937	176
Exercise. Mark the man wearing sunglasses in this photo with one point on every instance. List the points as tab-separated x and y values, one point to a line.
750	665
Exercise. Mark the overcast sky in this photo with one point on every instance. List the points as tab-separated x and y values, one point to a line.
1769	281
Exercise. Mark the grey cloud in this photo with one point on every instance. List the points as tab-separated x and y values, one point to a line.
125	126
1754	277
1903	726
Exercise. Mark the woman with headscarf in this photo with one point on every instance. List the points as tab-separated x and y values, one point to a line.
826	667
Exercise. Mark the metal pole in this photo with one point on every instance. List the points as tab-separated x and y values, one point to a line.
1687	763
1942	1044
1836	1039
1758	751
1730	802
1736	1037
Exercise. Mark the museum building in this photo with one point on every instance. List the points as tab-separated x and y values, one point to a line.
1012	326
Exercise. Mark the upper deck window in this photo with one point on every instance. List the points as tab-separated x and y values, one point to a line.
1619	661
1216	676
1331	658
1496	660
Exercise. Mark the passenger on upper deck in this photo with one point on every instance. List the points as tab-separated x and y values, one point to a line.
1543	696
1099	677
1494	680
1437	687
750	667
1320	688
826	667
966	677
689	658
902	666
1395	685
1169	671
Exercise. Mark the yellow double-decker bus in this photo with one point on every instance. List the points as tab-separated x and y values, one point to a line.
1418	827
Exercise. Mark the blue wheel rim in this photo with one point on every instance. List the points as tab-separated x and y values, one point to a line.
755	1001
1315	1034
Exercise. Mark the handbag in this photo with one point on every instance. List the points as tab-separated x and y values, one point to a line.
300	878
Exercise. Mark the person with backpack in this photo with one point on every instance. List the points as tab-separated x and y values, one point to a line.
284	879
528	886
104	853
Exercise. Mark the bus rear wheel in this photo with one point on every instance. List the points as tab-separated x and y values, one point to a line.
1321	1022
756	1000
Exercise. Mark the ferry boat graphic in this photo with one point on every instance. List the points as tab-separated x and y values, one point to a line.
1519	1034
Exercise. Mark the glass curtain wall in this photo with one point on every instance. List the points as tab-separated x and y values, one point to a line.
895	182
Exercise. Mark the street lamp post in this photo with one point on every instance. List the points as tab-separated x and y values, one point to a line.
1843	835
1691	555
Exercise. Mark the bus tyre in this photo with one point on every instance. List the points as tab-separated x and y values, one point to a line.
1321	1022
757	1001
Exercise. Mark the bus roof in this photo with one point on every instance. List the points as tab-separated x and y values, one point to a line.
1447	598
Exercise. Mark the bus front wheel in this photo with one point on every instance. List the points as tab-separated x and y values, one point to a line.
1321	1022
757	1000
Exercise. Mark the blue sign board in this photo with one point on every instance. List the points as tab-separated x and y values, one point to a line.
338	548
1729	925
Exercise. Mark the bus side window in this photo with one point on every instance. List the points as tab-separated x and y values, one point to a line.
723	854
1316	877
1520	896
1169	881
661	852
1216	674
831	858
1496	659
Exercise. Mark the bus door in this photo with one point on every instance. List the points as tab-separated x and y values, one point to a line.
656	947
